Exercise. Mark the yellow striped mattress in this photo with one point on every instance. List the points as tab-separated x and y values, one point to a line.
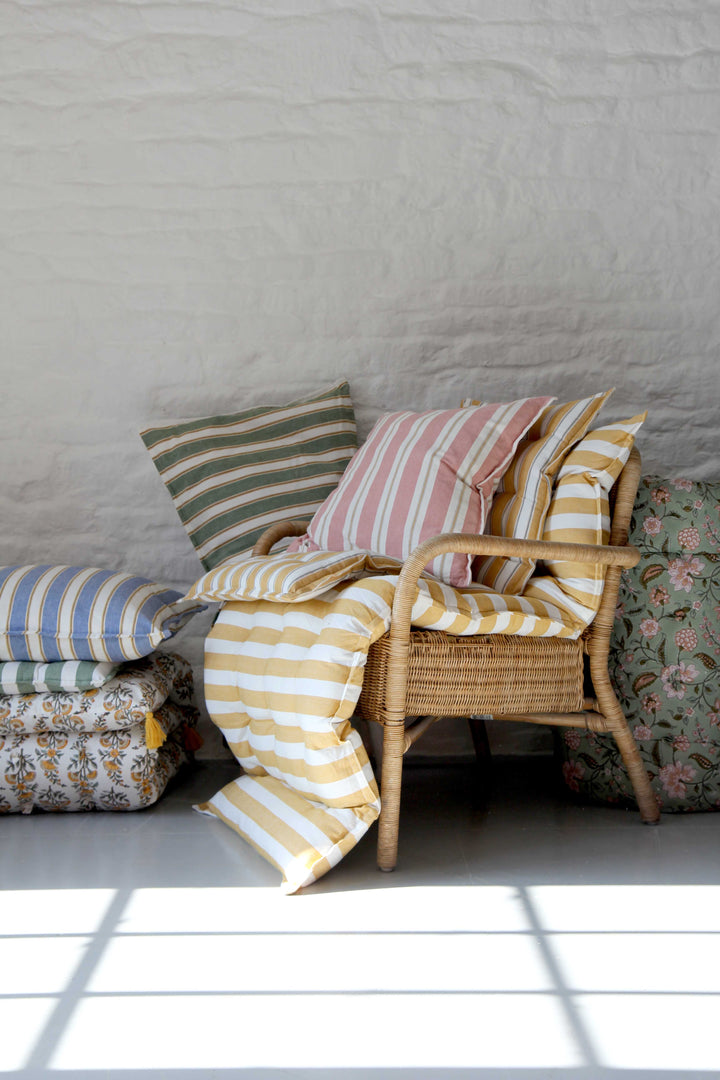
283	672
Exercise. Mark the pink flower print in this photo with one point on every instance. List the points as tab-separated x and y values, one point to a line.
649	627
652	526
686	638
659	595
681	571
714	714
698	504
642	733
651	703
696	605
573	772
660	495
681	742
675	676
682	485
572	739
674	778
689	538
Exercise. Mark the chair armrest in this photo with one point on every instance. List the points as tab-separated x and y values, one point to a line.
276	532
471	544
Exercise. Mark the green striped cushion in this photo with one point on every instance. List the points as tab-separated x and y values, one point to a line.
231	476
26	677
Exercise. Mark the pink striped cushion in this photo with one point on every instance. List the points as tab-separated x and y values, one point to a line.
420	474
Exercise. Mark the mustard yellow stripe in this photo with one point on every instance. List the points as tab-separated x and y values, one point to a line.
248	733
268	822
331	773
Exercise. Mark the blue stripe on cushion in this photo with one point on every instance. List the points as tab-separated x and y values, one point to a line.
111	615
23	592
50	610
80	628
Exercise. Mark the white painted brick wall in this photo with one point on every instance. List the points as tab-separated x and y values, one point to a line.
210	205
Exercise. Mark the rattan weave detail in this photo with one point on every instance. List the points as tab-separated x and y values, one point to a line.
448	675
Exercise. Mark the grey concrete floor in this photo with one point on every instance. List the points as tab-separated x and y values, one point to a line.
522	936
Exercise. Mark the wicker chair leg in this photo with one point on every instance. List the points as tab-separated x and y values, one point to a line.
390	786
644	795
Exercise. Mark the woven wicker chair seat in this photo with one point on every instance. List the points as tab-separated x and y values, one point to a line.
490	673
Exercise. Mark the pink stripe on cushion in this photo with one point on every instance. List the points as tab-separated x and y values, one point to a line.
420	474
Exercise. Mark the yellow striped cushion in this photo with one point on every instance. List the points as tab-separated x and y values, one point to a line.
521	503
299	576
580	512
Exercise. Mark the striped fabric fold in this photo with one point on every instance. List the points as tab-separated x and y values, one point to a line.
523	497
287	577
421	474
51	613
231	476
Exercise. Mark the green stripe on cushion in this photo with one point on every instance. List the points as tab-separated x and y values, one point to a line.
250	435
26	677
231	476
317	455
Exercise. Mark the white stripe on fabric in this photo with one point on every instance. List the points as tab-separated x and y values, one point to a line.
248	424
259	468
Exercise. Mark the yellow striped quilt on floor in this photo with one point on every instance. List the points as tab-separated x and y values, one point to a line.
283	672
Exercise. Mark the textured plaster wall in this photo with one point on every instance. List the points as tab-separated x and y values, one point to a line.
206	205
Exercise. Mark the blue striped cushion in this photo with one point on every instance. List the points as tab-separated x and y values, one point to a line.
51	613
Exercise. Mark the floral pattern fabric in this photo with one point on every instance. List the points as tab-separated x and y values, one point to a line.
123	701
93	770
664	655
88	750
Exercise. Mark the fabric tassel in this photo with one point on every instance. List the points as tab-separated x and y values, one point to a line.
154	734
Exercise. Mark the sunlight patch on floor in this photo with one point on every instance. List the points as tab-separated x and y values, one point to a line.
535	976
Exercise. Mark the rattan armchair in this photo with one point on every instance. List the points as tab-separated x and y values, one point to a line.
414	678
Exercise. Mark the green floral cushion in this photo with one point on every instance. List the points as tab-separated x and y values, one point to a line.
664	655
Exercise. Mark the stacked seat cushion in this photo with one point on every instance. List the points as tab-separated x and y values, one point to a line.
664	655
51	613
113	747
28	677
